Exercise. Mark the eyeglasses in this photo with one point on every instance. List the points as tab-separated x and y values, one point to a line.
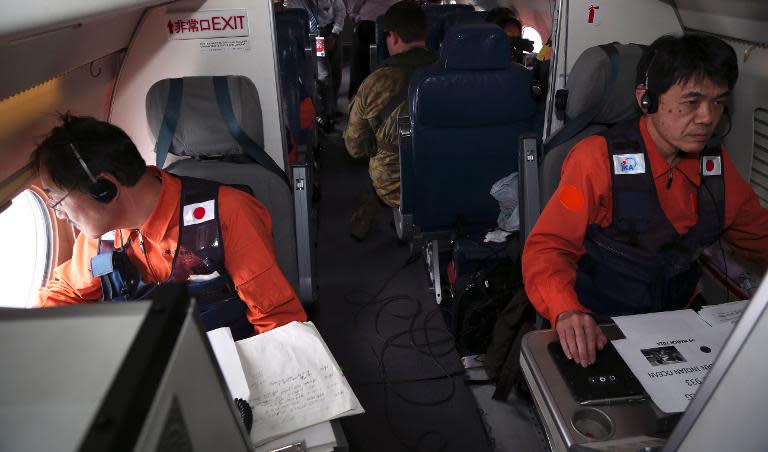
55	205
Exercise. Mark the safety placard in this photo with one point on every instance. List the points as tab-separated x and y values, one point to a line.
208	24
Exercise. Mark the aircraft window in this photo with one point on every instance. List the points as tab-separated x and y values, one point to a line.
530	33
27	249
759	176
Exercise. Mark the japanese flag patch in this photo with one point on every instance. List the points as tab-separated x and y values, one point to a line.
629	164
711	165
199	212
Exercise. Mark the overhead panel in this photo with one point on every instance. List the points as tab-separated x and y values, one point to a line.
741	19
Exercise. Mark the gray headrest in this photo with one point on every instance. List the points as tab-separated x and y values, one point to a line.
588	79
201	130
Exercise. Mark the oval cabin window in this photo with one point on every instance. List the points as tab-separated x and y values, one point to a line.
25	228
531	34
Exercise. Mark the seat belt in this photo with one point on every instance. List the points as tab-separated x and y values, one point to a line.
578	123
398	98
250	147
170	120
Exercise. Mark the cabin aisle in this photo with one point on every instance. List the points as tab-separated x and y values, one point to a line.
384	328
408	379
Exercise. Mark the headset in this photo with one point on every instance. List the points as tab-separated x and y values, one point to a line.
101	189
648	102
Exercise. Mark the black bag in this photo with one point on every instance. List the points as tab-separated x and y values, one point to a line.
479	299
502	360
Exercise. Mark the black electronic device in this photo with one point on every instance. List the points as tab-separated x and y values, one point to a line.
101	189
606	382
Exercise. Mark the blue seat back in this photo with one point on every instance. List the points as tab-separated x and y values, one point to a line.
289	63
299	14
382	53
294	28
466	115
459	17
435	14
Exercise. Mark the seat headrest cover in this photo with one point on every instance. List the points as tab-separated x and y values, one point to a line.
475	47
588	80
201	130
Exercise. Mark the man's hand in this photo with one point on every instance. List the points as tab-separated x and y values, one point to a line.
579	335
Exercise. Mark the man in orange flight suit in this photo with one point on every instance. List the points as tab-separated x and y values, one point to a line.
97	180
637	204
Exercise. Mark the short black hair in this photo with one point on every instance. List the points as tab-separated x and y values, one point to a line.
673	59
406	19
504	17
104	147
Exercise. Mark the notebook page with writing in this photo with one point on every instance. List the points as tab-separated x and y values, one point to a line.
294	381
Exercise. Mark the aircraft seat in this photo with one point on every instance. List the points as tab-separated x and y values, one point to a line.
296	23
459	17
302	15
435	14
378	51
466	114
202	135
289	62
601	93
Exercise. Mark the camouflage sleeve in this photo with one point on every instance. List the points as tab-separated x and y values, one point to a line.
371	97
358	134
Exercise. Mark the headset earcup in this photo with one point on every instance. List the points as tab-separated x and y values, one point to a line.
646	103
103	190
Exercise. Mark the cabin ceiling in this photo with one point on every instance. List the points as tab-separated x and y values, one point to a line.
40	40
748	9
22	18
746	20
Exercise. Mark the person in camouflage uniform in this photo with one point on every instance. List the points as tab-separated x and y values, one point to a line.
372	127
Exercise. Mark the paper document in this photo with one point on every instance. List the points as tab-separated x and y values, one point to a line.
229	361
729	313
294	381
670	353
317	438
659	323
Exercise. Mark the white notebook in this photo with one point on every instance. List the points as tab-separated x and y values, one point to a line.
289	377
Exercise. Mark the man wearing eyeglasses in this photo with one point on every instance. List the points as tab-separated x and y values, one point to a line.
141	226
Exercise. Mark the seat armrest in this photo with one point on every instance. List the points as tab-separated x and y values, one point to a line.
301	184
405	146
528	159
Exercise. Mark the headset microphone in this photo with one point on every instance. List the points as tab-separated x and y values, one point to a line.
101	189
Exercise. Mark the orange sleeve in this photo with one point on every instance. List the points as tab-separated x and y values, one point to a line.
307	113
249	258
72	281
746	222
555	245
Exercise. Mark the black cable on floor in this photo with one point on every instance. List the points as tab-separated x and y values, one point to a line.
431	440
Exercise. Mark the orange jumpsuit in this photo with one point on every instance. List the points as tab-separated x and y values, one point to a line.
246	229
584	197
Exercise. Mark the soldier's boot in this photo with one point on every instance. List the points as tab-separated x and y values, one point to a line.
362	218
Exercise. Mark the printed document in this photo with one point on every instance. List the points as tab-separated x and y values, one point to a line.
670	353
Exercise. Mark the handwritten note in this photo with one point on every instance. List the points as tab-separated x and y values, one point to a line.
294	381
728	313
